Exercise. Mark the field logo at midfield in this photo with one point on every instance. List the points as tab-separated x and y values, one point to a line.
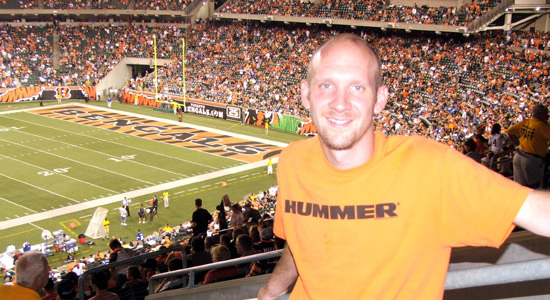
191	138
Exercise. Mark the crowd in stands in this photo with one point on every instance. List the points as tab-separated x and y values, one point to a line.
370	10
442	86
251	234
161	4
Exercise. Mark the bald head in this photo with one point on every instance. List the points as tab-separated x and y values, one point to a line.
342	40
32	270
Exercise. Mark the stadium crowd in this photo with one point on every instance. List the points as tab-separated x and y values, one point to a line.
451	83
369	10
248	230
441	87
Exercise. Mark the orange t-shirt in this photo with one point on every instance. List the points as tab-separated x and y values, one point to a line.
384	230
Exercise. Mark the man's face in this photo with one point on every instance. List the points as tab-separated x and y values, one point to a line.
341	95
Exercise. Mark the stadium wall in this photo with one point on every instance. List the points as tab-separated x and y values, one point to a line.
245	115
47	93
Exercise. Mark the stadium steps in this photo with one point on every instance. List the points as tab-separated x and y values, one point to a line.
56	50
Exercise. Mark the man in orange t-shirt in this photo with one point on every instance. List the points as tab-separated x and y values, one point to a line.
404	201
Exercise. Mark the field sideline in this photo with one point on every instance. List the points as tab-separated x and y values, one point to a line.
244	175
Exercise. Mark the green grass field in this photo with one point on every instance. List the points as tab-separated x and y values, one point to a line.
57	167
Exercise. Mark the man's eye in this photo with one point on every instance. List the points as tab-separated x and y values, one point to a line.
325	85
358	88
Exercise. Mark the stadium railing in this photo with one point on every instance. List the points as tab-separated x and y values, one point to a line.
247	288
523	260
128	262
193	270
489	16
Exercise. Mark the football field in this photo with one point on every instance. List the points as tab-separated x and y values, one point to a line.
59	163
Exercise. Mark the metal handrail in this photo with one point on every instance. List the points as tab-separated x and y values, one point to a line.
499	274
128	261
459	279
191	271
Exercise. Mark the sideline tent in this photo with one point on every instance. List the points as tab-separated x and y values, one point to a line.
95	229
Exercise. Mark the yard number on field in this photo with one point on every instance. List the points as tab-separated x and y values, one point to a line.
54	171
123	158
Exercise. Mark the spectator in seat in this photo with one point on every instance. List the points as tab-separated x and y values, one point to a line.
266	242
266	266
49	291
221	253
251	215
244	245
100	281
254	234
66	290
134	276
198	257
117	254
31	273
171	283
237	217
208	243
497	141
532	136
470	150
149	268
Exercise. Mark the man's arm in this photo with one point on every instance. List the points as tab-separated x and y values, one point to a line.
534	214
284	275
514	139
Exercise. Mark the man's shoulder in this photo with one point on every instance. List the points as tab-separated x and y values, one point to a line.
302	150
411	143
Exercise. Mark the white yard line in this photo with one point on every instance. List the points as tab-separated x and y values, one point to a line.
37	187
144	191
116	198
102	153
60	174
16	204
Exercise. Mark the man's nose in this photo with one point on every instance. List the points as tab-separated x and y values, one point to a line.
341	100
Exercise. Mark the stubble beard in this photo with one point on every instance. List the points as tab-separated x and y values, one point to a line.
336	140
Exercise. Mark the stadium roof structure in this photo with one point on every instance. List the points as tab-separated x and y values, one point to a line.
507	15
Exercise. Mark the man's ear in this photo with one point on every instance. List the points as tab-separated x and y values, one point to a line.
381	99
305	93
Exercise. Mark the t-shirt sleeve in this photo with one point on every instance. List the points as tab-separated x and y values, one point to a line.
514	129
478	205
